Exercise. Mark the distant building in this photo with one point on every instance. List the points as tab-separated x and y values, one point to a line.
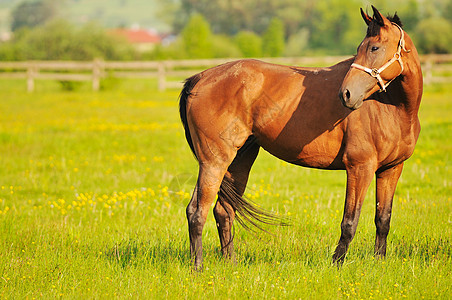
5	36
142	40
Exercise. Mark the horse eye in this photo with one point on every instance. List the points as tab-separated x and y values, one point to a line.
374	48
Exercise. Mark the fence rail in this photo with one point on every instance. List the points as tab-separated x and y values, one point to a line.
436	68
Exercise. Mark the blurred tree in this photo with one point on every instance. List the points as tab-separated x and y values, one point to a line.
60	40
308	26
175	50
249	43
222	15
197	37
409	13
336	26
167	12
434	35
232	16
273	39
196	41
91	41
297	43
224	46
31	14
332	26
447	13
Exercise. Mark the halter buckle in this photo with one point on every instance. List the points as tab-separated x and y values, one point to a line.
374	72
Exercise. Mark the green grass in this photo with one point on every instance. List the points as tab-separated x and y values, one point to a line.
93	188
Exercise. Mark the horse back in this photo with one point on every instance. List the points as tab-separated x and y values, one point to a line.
294	113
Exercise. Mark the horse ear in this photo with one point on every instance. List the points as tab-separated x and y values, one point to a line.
366	17
378	17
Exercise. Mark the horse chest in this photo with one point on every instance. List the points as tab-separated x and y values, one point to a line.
401	146
387	142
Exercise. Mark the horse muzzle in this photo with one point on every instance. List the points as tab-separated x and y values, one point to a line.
348	100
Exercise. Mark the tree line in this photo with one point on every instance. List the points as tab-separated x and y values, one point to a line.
235	28
321	27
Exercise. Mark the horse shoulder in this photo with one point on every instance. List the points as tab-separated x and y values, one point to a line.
380	132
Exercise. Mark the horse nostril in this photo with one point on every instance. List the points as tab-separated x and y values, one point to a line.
346	95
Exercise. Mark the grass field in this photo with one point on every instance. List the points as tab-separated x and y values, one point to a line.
93	189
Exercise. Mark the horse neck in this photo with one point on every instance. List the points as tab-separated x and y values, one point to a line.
411	84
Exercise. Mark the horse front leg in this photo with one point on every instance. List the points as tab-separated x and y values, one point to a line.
386	186
358	181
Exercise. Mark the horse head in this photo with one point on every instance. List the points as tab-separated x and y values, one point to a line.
378	62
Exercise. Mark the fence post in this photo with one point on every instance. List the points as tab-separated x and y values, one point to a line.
161	76
31	71
428	71
97	73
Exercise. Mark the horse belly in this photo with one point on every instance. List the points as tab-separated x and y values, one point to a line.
324	152
321	157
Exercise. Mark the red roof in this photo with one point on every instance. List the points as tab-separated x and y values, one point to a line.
138	36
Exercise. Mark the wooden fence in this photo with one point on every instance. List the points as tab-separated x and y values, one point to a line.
169	73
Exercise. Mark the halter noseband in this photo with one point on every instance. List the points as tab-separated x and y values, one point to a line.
375	73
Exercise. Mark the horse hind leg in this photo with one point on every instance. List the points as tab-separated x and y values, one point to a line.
234	182
214	156
209	180
224	215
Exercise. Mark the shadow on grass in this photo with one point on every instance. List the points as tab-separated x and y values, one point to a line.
132	253
313	254
164	254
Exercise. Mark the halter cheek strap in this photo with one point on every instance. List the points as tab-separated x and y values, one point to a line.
397	57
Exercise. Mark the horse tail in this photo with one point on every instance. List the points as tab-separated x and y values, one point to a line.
248	214
186	92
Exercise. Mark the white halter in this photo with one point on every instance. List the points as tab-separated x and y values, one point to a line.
375	73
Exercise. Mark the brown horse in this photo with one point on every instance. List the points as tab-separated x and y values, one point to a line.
232	110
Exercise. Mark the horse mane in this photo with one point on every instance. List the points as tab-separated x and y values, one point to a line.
374	27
